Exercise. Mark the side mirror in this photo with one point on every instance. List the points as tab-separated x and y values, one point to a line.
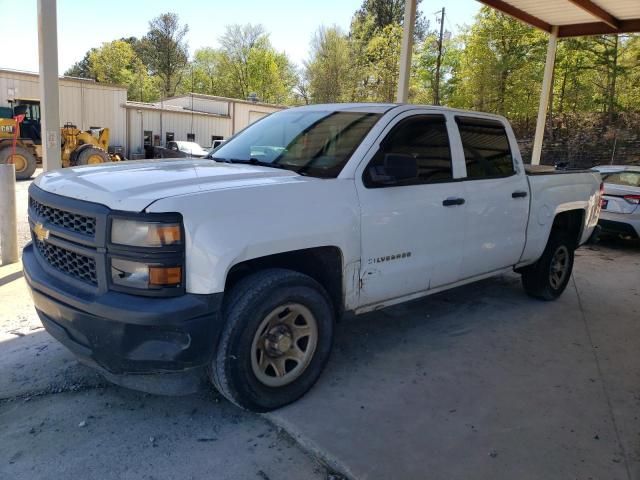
400	166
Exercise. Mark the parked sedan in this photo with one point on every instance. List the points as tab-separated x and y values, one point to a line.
620	212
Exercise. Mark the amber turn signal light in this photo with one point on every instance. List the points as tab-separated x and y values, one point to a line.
164	235
165	276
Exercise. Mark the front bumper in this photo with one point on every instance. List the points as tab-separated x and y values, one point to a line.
131	339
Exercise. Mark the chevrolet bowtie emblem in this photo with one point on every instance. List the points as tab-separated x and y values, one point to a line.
41	232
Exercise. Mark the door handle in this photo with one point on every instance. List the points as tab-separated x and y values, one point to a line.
518	194
450	202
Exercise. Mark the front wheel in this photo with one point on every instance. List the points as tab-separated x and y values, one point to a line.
23	159
548	277
92	156
276	340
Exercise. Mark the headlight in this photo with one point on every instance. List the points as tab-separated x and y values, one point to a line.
145	234
128	273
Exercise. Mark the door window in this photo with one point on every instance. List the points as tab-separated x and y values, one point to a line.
486	148
415	152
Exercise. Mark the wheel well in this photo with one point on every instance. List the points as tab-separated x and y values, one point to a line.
323	264
569	223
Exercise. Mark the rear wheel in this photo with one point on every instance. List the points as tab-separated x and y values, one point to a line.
23	159
92	156
548	277
276	340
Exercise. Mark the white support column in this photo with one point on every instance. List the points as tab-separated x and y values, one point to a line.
547	85
406	51
49	99
8	218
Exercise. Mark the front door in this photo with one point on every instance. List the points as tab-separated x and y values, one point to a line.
412	228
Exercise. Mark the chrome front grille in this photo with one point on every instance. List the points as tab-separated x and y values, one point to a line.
83	224
71	263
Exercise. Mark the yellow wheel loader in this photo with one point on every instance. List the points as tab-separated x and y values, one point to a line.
21	143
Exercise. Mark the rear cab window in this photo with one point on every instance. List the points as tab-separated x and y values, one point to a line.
486	148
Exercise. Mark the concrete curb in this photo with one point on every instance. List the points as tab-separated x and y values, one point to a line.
309	446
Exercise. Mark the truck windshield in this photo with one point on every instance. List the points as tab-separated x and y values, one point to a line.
315	143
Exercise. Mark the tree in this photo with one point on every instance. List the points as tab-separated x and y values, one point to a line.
328	69
383	52
111	63
207	73
390	12
164	51
81	69
501	65
302	88
248	64
237	43
424	69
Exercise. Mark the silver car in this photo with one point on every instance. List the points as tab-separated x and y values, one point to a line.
620	212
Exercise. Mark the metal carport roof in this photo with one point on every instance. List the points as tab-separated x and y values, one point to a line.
574	17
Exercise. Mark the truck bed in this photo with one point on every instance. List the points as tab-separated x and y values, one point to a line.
549	170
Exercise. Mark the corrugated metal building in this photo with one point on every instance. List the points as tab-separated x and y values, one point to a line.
195	117
134	125
85	103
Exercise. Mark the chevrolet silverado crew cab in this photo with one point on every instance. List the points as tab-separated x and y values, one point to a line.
236	266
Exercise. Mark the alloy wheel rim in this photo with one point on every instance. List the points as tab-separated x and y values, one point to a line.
284	345
559	267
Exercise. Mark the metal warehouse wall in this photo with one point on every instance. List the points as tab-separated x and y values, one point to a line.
179	123
82	102
245	114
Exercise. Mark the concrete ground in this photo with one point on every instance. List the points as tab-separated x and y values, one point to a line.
478	382
483	382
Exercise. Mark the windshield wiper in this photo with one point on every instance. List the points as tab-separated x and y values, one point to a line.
255	161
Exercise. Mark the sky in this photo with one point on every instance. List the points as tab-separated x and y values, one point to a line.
83	24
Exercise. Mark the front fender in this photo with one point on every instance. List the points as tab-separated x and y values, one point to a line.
227	227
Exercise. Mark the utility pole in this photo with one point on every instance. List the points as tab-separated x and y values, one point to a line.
436	90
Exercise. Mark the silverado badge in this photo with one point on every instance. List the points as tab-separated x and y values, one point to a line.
41	232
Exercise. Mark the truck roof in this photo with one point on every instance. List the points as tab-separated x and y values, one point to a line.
385	107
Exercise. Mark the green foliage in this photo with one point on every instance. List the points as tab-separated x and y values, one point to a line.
328	70
501	64
245	64
81	69
383	52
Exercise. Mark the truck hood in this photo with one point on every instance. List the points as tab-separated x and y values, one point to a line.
133	185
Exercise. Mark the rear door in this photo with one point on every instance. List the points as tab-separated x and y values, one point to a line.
496	192
410	240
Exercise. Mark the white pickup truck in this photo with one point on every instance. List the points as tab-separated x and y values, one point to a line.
236	266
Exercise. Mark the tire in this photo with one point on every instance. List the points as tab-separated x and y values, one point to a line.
537	279
24	161
272	296
91	156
